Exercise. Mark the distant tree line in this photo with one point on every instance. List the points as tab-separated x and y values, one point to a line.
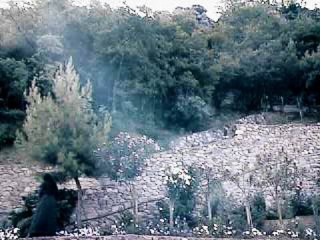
157	70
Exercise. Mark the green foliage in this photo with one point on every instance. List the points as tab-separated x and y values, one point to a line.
181	188
21	218
7	134
217	199
63	130
225	212
316	211
191	112
123	158
13	81
258	210
300	205
238	218
167	71
183	216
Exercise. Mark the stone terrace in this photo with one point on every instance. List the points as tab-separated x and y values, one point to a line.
103	197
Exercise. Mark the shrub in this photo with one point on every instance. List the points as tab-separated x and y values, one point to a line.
237	218
316	212
184	220
227	217
10	233
271	214
192	112
258	210
22	217
300	205
181	187
81	232
10	122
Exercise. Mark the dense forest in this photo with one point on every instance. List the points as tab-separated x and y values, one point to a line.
159	71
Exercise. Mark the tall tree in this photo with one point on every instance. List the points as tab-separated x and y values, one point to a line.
62	129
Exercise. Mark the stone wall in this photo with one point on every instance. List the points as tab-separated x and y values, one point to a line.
103	197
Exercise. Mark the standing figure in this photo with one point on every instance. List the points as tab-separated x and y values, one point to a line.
44	221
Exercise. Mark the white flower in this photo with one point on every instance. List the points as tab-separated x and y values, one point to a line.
295	234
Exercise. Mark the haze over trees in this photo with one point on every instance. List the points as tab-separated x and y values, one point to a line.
157	71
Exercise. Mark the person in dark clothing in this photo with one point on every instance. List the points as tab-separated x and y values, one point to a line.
44	221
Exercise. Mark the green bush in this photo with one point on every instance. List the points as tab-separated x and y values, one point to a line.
192	112
182	184
22	217
183	213
296	205
271	214
10	122
237	219
258	210
7	134
300	205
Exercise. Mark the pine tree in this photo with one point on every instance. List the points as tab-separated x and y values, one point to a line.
62	129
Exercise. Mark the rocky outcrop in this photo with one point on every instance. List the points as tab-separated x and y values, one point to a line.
200	14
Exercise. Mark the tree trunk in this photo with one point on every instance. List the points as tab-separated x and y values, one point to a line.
249	216
279	210
114	90
282	105
135	205
316	217
209	208
209	201
300	108
171	210
79	203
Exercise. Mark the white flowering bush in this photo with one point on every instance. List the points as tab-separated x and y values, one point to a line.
254	233
123	158
81	232
10	233
202	230
161	228
310	234
181	185
179	179
293	234
214	229
118	229
222	230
